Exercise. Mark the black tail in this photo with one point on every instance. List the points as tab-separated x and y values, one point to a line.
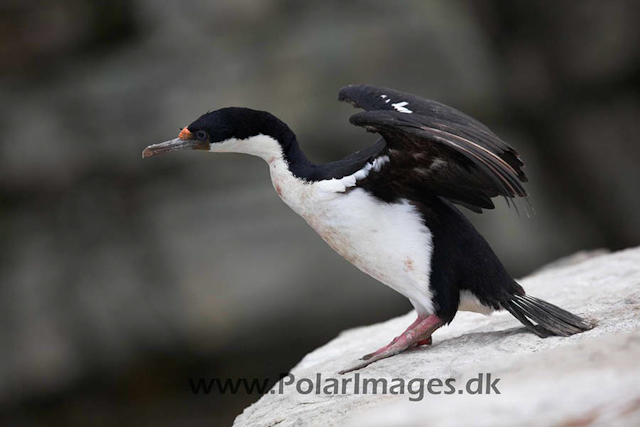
549	319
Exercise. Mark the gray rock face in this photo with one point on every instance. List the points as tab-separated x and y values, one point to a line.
590	378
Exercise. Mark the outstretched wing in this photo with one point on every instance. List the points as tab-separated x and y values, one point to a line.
436	149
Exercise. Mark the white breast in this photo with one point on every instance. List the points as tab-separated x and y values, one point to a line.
388	241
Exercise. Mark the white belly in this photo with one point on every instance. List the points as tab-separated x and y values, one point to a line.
389	242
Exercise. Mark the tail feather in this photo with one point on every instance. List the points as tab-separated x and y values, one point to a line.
543	318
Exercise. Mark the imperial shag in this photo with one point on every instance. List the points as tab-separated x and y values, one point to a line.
389	208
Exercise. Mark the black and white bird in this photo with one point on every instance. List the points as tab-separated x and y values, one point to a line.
389	208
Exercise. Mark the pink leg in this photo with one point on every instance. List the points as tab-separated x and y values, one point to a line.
420	333
386	347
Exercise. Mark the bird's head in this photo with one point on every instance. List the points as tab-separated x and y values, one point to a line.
231	130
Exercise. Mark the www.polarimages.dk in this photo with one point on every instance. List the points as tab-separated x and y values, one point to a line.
416	388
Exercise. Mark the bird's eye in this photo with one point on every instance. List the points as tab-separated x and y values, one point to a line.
201	135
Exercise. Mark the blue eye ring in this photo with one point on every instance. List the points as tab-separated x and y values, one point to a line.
201	135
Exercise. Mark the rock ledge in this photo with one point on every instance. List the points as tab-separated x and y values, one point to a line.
590	378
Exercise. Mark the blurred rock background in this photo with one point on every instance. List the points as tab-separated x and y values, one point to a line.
122	278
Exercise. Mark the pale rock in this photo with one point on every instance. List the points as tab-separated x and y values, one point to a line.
590	378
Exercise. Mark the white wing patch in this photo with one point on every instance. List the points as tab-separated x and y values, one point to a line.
378	162
437	163
340	185
400	106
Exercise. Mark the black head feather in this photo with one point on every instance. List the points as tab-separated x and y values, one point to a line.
242	123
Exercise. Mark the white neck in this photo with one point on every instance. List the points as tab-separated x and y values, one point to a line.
263	146
290	188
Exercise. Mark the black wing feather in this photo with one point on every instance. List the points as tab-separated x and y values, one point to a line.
438	149
370	98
